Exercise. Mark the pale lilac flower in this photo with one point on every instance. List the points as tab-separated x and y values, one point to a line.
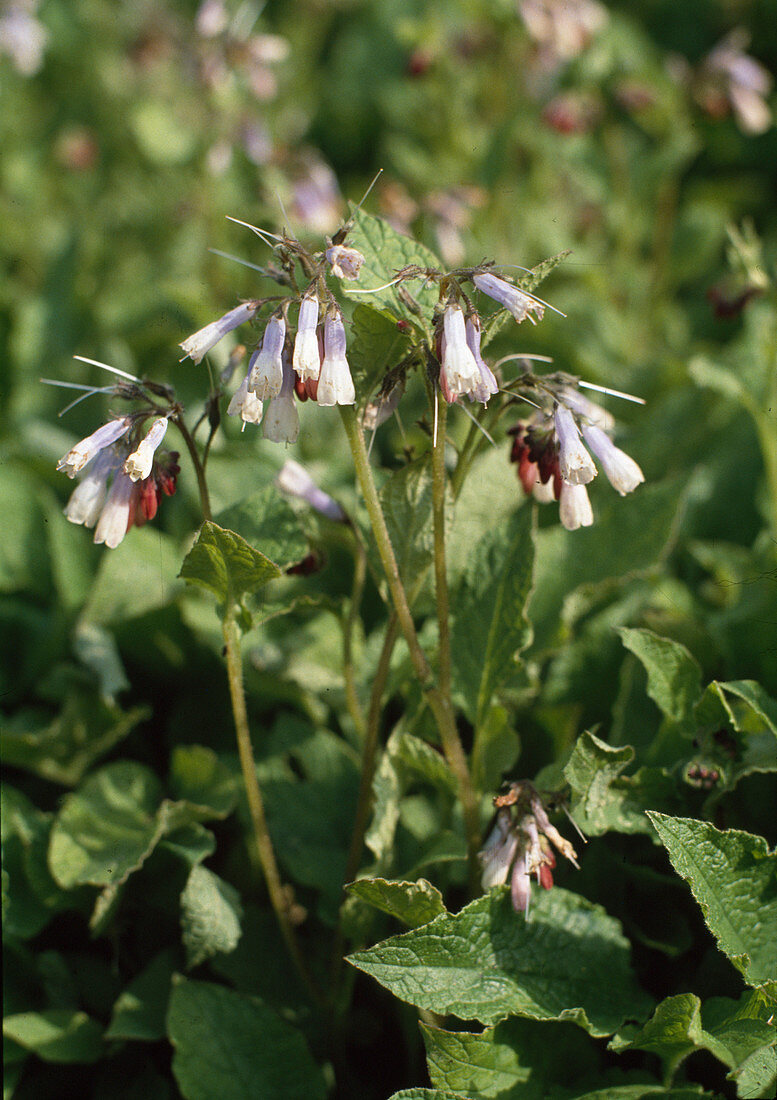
459	373
87	499
212	18
266	374
245	404
499	851
297	482
574	507
488	384
307	361
520	885
747	81
518	303
574	460
22	36
115	517
335	385
137	466
346	262
199	344
83	452
587	410
622	471
281	421
562	28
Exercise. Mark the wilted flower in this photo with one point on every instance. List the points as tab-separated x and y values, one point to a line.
459	371
335	385
281	420
516	301
297	482
78	456
197	346
307	361
346	262
266	367
138	465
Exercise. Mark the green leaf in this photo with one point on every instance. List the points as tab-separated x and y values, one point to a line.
490	626
232	1047
375	345
267	521
140	1010
413	903
226	565
31	896
495	751
385	253
733	876
674	676
406	499
426	1094
135	578
570	961
386	796
198	776
751	743
59	1035
210	916
424	761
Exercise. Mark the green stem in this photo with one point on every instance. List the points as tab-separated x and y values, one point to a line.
349	622
199	469
264	849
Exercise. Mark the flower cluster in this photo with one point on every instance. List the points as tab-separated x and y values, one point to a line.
520	845
121	485
551	451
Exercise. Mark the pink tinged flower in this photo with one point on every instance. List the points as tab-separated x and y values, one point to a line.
518	303
297	482
622	471
116	515
84	452
137	466
88	497
307	360
498	853
459	373
198	345
574	507
520	885
488	384
246	405
335	385
266	374
574	460
346	262
281	421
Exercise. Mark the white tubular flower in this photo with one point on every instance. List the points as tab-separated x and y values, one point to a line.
246	405
84	452
88	497
622	471
574	460
587	410
520	885
137	466
345	262
488	384
281	421
115	516
518	303
335	385
498	854
198	345
574	507
307	361
543	493
297	482
266	374
460	372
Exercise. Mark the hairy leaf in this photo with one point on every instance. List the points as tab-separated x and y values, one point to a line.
267	521
210	916
413	903
674	676
226	565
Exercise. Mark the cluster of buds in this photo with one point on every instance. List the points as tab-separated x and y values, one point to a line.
551	452
520	845
123	477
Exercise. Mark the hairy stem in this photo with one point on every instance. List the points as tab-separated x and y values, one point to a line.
263	844
349	622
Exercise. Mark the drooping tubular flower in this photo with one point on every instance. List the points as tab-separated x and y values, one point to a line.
574	460
517	302
459	370
488	384
266	374
335	385
306	360
281	420
245	404
297	482
116	517
77	457
137	466
197	346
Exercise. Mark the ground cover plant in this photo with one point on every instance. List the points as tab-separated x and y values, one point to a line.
389	619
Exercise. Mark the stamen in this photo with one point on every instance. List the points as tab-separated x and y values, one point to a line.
521	355
237	259
612	393
477	424
375	289
263	234
113	370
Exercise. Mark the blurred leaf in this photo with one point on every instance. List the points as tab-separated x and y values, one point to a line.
496	750
198	776
59	1035
30	894
733	877
490	626
231	1047
386	794
413	903
97	650
569	962
140	1011
406	499
137	577
210	916
267	521
24	561
160	134
425	761
674	676
226	565
375	345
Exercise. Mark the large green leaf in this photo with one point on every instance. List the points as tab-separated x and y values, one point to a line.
210	916
674	676
58	1035
267	521
375	345
140	1010
226	565
406	499
413	903
570	961
733	876
232	1047
490	626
